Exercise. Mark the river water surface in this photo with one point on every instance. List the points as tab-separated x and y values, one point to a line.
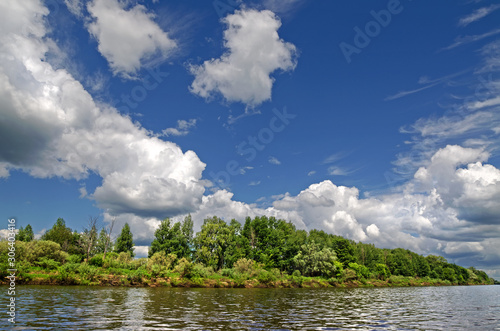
101	308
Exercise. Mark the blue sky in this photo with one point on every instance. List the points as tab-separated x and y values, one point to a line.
375	120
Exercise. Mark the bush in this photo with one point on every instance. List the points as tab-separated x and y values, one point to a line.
137	275
124	257
382	271
296	273
265	277
200	271
47	263
97	260
32	251
246	267
74	258
361	270
349	274
228	272
161	259
184	268
88	272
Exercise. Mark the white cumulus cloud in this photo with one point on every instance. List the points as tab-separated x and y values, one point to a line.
254	52
51	126
127	38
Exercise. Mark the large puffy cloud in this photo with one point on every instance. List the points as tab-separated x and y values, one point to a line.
128	39
50	126
255	51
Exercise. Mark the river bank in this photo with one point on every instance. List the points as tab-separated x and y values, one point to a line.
218	281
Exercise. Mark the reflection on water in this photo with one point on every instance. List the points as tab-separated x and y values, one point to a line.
94	308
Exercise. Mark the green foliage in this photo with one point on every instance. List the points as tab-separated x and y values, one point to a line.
64	236
211	242
200	271
382	271
97	260
172	239
360	270
246	266
34	250
266	277
103	242
74	259
48	264
344	249
25	234
349	275
263	249
184	268
125	241
87	271
161	260
313	261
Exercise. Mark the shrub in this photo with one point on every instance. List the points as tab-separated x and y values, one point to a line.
296	273
246	267
349	274
96	260
137	275
265	277
228	272
74	258
47	263
88	272
32	251
200	271
184	268
161	259
361	270
382	271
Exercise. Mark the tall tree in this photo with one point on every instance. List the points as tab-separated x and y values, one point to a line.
125	241
212	241
170	239
109	242
187	232
88	239
64	236
25	234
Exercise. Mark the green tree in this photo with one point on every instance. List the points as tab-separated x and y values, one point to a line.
171	239
125	241
88	239
65	237
314	261
104	244
212	241
187	233
25	234
344	249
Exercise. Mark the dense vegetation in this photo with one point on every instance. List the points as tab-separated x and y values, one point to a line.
261	252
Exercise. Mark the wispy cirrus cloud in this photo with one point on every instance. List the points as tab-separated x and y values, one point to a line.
477	15
463	40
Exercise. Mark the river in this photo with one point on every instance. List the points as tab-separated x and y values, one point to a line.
110	308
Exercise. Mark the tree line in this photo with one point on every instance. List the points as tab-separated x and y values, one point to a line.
271	243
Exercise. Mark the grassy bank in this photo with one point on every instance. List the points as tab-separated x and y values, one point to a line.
137	273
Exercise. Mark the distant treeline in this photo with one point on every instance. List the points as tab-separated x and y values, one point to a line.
263	248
